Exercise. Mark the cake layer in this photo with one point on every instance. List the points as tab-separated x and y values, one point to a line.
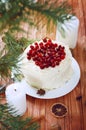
50	77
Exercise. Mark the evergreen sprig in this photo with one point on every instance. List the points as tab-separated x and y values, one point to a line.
8	122
9	56
13	12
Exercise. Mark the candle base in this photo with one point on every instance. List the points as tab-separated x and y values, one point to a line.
16	99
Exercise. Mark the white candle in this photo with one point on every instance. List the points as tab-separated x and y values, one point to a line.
16	98
70	30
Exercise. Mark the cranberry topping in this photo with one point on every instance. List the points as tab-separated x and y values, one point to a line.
46	53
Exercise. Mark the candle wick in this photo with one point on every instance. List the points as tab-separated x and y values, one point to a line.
15	89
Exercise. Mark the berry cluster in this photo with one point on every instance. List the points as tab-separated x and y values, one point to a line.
46	53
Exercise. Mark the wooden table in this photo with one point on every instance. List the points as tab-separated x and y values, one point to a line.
76	117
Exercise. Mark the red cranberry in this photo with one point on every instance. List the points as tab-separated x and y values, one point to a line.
45	40
49	40
62	56
32	47
46	54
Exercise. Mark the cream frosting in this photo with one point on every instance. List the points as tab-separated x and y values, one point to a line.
47	78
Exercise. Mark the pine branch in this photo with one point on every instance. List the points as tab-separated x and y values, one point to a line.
58	13
13	12
9	122
13	48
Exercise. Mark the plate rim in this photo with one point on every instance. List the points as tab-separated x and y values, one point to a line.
31	90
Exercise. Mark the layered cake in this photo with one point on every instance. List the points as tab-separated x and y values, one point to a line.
47	64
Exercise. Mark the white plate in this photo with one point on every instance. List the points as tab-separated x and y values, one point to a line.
55	93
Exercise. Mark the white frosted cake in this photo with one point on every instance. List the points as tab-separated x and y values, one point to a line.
47	64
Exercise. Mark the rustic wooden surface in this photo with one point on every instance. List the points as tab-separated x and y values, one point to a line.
76	117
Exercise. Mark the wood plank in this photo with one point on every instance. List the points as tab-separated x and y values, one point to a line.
82	59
